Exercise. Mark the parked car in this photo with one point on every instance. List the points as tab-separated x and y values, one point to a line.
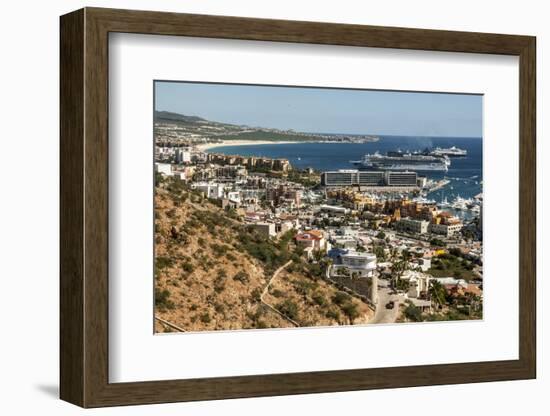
390	304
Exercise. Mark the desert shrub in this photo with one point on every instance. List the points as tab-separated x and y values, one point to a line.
219	284
413	313
319	299
256	294
242	277
205	318
219	249
219	308
187	267
316	270
333	314
163	262
341	298
260	324
175	185
303	287
351	311
263	249
288	308
162	300
278	293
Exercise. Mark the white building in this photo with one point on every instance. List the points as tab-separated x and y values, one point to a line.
182	156
335	209
446	229
414	226
451	281
425	264
180	175
164	168
419	283
363	264
211	190
265	228
234	196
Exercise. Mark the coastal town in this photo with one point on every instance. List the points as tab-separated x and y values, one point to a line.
252	242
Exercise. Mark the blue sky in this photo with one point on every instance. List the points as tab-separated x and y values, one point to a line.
326	110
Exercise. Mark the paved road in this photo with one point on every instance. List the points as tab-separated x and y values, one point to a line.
383	315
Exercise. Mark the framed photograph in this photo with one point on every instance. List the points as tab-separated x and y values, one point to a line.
257	207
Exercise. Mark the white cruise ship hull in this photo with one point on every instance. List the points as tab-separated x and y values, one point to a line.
435	167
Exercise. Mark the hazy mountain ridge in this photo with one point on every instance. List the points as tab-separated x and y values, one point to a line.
176	125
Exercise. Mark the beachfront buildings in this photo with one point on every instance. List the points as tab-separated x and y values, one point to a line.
341	225
446	229
412	226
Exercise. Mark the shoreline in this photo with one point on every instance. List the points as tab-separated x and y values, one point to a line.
207	146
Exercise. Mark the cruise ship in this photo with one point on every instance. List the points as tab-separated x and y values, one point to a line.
450	152
403	161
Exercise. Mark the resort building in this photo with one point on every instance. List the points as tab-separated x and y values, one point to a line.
446	230
374	178
412	226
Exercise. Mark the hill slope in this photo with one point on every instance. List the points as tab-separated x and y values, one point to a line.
211	272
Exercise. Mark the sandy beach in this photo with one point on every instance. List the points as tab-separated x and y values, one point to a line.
207	146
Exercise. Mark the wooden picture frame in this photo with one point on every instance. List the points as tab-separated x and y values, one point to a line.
84	207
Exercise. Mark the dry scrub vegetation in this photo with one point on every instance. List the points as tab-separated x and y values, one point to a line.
211	269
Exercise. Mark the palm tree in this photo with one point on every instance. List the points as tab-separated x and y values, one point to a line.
399	265
437	293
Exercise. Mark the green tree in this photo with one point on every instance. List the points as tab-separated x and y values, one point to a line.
380	253
351	310
437	293
288	308
398	267
413	313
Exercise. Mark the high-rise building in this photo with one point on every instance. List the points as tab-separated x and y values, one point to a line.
351	177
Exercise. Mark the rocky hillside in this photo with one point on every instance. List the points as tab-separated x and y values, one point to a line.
212	272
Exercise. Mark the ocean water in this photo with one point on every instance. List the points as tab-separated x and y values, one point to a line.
465	174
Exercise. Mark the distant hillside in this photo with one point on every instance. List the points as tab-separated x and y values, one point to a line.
188	126
169	116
